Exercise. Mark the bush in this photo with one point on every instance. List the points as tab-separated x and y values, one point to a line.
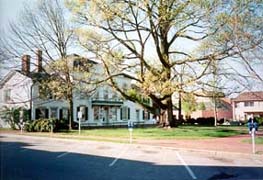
206	121
12	116
260	121
40	125
45	125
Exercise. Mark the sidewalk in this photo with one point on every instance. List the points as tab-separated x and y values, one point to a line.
234	144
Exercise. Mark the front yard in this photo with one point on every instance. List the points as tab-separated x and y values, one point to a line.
182	132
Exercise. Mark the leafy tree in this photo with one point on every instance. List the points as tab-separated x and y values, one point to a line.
189	104
44	26
148	41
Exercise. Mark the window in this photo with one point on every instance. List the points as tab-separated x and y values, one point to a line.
145	115
42	113
96	112
249	104
113	113
138	114
84	111
7	95
106	94
125	113
63	114
53	112
97	95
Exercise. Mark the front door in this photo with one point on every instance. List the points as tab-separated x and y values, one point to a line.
105	115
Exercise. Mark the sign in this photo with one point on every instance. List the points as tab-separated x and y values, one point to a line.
130	125
79	115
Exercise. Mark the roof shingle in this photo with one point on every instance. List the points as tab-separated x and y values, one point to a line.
250	96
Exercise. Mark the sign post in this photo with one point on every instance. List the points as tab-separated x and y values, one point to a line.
252	127
253	139
79	117
130	128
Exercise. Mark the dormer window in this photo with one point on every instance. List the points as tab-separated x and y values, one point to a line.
81	65
77	63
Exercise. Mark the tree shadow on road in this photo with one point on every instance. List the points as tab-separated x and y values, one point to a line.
23	161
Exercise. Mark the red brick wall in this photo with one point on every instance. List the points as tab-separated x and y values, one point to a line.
227	114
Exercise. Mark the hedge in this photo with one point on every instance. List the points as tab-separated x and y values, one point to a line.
45	125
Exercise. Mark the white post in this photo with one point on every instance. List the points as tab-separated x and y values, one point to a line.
130	129
253	140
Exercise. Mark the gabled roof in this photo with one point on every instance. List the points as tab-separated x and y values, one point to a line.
6	78
249	96
35	76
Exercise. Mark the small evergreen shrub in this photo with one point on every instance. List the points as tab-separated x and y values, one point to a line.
45	125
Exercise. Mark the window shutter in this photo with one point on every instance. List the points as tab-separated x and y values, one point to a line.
128	113
148	115
86	113
60	114
46	113
37	113
121	113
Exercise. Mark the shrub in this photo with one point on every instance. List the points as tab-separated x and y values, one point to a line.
45	125
12	116
206	121
40	125
260	120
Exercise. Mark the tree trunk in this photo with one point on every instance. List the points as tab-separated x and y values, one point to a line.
170	112
180	108
70	113
215	112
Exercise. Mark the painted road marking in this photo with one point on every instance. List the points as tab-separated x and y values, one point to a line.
186	166
124	150
63	154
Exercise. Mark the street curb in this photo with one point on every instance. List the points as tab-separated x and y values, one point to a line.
202	151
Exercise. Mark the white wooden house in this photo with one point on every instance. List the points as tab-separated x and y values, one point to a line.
104	107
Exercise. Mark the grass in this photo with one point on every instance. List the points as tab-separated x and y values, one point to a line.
183	132
258	140
121	134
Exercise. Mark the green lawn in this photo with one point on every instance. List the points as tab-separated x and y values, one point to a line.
258	140
121	134
183	132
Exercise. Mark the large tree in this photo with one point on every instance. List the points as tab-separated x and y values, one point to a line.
148	41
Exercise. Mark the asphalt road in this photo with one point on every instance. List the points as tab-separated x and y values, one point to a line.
37	158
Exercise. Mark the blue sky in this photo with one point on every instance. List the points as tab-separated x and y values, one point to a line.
9	11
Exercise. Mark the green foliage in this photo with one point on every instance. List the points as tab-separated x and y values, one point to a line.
45	125
12	116
41	125
201	106
260	120
189	103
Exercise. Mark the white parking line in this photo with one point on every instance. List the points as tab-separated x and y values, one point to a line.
119	156
186	166
63	154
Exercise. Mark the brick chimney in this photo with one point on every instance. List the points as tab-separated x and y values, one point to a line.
39	61
26	64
